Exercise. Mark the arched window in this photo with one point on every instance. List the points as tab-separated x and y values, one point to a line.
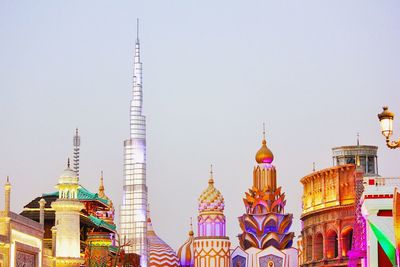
331	244
318	246
309	248
347	240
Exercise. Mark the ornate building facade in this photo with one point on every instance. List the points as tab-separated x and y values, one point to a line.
328	216
333	230
211	246
265	239
96	230
21	239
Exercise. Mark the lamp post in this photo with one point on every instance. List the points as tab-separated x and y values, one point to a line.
386	120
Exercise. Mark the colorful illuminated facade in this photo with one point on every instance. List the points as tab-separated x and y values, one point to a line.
380	210
211	246
265	239
96	216
133	221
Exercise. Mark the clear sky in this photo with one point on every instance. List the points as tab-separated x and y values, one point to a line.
316	72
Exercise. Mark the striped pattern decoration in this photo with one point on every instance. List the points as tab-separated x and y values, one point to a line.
186	253
160	254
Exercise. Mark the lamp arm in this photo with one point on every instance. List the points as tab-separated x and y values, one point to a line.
392	144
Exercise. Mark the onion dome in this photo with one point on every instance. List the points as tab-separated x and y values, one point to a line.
264	154
186	252
211	199
160	254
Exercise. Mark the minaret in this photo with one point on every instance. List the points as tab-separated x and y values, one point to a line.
77	145
67	208
133	221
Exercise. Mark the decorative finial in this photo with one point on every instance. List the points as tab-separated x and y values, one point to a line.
264	141
76	131
8	180
313	168
191	233
68	163
264	130
358	139
211	180
101	186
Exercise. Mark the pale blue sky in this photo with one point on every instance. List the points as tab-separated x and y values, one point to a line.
317	72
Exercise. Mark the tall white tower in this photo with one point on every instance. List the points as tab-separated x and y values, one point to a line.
133	221
67	208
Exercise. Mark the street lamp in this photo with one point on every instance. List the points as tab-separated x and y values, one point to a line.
386	120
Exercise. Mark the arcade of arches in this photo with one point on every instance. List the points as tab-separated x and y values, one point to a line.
328	216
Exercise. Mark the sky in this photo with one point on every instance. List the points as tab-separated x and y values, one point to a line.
316	72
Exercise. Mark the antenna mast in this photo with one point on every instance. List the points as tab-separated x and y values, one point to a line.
77	144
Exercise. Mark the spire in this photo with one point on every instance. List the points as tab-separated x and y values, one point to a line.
136	103
101	186
264	141
313	166
137	30
358	139
68	164
211	180
8	179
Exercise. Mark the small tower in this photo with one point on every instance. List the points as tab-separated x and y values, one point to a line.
67	224
211	246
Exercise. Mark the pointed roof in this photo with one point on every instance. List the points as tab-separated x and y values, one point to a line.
160	253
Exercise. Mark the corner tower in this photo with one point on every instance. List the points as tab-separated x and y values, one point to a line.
211	246
133	220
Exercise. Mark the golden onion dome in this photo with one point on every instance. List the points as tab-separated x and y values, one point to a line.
264	154
211	199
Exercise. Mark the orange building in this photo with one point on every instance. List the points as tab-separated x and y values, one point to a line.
328	216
